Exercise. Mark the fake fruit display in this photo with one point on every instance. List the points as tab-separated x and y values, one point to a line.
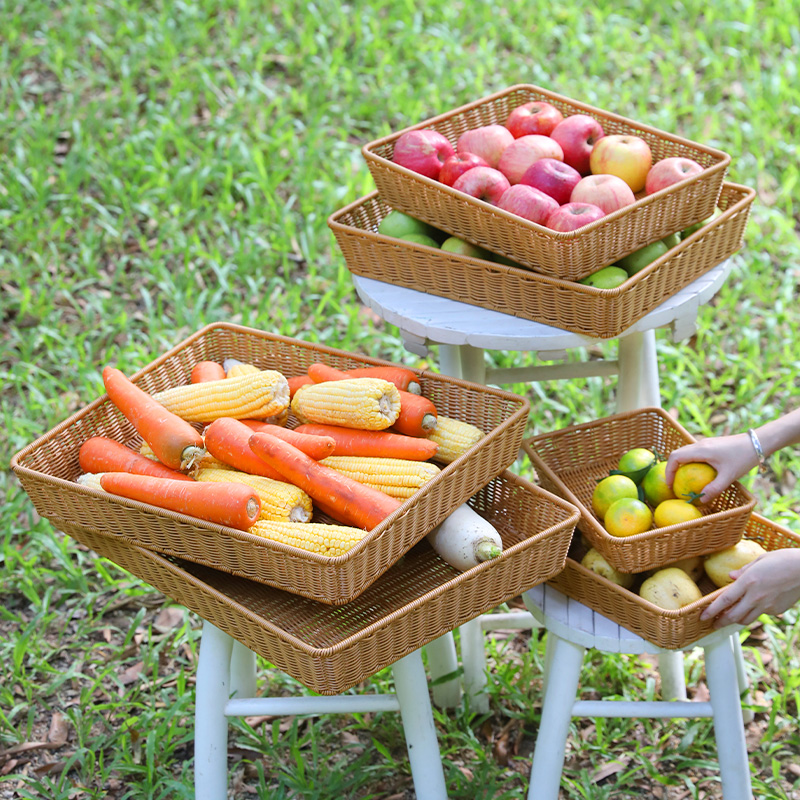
610	489
527	202
608	192
534	117
483	183
670	588
597	563
606	278
577	135
526	151
690	480
422	151
397	224
675	511
669	171
719	565
457	165
639	259
488	142
627	517
572	216
627	157
636	463
552	176
655	486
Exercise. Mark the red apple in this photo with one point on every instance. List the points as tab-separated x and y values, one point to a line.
488	142
535	117
669	171
457	165
422	151
627	157
577	135
571	216
517	157
606	191
527	202
484	183
553	177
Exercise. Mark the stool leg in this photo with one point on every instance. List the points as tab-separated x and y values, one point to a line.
551	740
473	660
411	688
744	683
443	660
673	680
243	671
450	360
723	686
210	723
638	372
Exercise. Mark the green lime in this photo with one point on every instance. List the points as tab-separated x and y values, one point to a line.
636	463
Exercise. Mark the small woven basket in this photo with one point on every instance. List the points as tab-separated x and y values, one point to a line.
666	628
48	467
571	306
419	599
570	461
567	256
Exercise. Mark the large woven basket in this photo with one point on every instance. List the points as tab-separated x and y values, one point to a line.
571	255
571	306
570	461
665	628
48	467
417	600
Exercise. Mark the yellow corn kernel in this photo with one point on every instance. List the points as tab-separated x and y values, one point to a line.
209	462
397	477
371	404
279	501
454	438
239	368
315	537
90	479
255	396
146	450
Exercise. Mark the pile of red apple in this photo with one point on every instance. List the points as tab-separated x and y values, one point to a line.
556	171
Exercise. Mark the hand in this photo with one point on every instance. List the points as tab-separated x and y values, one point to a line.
731	456
768	585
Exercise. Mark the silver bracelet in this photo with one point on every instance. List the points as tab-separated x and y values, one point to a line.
762	459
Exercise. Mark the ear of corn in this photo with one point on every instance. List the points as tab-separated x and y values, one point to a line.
397	477
256	395
454	438
315	537
237	368
279	501
371	404
90	479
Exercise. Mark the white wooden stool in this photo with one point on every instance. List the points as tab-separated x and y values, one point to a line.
226	684
572	628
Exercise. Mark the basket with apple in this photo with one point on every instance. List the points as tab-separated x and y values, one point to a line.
476	172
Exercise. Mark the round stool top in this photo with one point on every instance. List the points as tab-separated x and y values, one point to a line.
443	321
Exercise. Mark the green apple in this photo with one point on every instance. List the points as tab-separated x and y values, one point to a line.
499	258
455	245
419	238
639	259
673	240
696	227
606	278
397	224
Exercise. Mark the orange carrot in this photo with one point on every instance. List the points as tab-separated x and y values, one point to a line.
173	440
381	444
101	454
227	439
417	414
296	382
233	504
404	379
351	502
207	371
318	447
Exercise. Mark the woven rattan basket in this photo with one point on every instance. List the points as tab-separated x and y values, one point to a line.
568	256
418	599
568	305
48	467
670	629
570	461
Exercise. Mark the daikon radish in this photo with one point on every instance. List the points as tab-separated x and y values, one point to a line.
465	539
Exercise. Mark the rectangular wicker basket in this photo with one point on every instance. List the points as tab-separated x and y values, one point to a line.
570	461
571	306
571	255
48	467
665	628
417	600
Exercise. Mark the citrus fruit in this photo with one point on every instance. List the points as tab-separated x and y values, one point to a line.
690	480
627	517
610	489
655	486
674	511
636	463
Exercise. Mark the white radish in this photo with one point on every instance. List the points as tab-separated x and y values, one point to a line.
465	539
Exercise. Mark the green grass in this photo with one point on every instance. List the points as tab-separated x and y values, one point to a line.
167	164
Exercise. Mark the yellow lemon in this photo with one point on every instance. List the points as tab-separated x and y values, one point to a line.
627	517
672	512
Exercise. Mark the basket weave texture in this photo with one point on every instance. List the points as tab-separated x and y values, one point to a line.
48	467
571	255
330	649
666	628
570	461
571	306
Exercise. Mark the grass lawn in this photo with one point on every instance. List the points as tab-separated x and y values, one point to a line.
166	164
